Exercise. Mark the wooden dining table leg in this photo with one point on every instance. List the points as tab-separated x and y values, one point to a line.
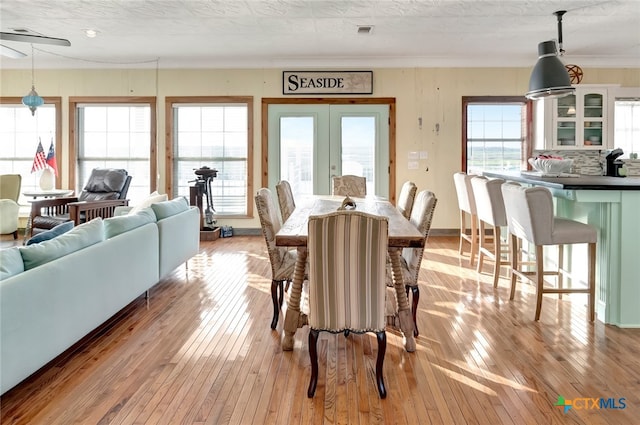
404	311
293	315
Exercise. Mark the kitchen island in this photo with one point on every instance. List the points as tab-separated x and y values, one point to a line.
612	205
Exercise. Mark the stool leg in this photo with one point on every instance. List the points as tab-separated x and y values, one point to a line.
513	253
481	242
560	267
592	281
474	239
497	244
539	279
463	229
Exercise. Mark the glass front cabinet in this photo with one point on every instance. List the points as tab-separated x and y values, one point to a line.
577	121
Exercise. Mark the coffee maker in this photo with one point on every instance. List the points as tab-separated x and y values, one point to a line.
613	163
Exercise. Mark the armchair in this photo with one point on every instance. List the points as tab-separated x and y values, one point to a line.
106	189
9	208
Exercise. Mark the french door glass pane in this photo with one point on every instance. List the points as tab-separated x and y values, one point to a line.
296	153
358	146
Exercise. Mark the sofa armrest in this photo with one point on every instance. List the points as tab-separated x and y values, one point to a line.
93	209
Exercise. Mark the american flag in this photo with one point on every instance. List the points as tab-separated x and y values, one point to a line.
51	158
39	161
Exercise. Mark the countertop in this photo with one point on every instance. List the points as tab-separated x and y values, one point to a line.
582	182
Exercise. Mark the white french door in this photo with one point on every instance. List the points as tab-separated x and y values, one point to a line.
308	144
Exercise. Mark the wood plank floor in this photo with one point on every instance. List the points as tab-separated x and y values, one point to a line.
200	351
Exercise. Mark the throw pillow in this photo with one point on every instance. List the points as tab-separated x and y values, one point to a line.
52	233
168	208
114	226
11	263
79	237
151	199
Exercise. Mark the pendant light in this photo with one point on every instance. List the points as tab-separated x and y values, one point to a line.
549	77
32	100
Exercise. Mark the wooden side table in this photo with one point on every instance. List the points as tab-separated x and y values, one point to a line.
35	194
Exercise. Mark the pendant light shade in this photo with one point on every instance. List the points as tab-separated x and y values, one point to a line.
32	100
549	77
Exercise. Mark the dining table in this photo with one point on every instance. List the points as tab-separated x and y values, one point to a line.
294	233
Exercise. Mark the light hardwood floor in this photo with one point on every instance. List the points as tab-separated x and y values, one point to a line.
200	351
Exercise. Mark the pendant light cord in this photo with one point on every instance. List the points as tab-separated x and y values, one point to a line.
33	72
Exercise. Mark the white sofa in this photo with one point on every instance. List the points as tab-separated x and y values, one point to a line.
88	274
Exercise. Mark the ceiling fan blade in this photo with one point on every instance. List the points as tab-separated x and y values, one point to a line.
11	53
29	38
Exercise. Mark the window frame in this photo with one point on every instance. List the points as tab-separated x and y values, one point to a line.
122	100
170	101
527	146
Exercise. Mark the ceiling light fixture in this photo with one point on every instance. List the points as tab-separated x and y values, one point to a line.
32	100
549	77
91	33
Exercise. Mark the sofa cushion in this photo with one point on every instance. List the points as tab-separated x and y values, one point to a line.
148	201
51	233
168	208
11	262
79	237
113	226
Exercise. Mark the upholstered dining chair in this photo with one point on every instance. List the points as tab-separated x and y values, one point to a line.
9	209
406	198
285	199
282	259
531	219
411	259
105	190
347	262
349	185
490	211
467	207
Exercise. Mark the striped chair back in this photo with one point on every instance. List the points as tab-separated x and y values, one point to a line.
347	259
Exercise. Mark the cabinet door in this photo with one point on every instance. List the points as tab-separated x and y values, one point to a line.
579	120
565	122
593	118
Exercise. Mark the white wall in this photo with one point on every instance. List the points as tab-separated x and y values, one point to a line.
431	93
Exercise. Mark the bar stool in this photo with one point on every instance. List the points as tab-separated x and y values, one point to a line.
530	218
467	206
490	211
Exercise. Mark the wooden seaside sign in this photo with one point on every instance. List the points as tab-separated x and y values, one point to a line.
327	82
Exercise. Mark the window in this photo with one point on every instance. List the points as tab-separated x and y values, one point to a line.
19	135
627	125
216	133
117	135
495	134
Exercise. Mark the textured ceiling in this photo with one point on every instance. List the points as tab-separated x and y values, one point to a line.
321	33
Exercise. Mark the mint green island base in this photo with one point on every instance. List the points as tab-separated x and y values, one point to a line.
612	205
